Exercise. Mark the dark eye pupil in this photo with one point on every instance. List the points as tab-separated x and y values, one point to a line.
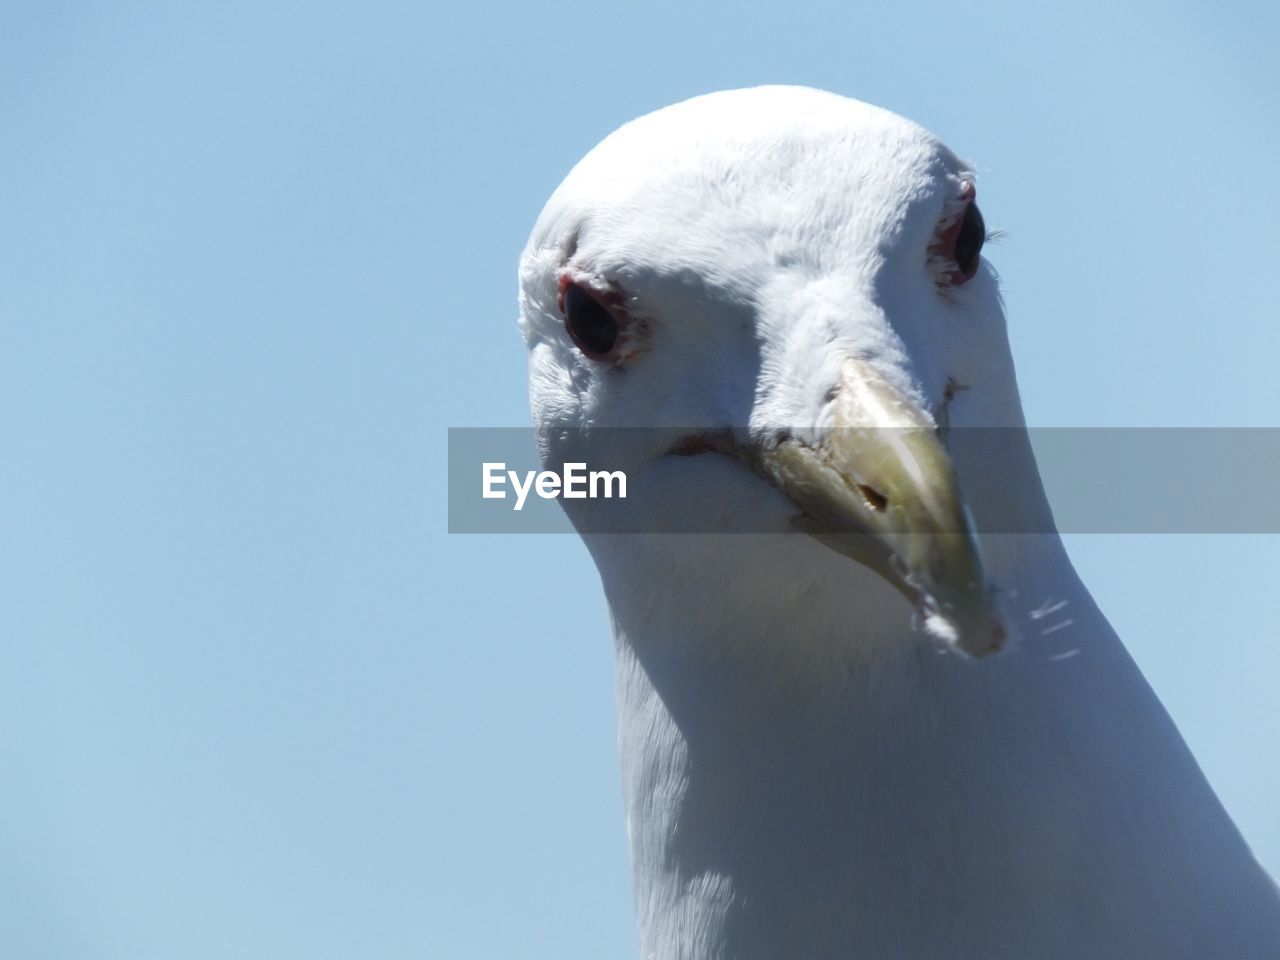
969	240
592	327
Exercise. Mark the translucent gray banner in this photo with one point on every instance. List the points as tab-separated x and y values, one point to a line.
1097	480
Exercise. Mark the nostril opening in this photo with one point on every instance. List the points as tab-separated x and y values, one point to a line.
876	500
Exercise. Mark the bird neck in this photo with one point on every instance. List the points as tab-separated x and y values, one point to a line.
806	776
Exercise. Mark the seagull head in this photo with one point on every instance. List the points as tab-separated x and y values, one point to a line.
769	307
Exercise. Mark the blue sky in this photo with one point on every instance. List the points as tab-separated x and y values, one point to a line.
255	701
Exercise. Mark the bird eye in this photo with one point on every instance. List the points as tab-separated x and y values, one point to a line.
969	241
592	327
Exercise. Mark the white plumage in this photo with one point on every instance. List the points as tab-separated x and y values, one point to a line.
808	774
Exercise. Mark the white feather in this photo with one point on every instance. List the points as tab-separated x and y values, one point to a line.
806	775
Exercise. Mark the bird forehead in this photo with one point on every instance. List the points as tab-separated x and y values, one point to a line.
785	172
765	138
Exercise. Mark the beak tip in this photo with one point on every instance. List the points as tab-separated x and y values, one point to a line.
976	633
995	640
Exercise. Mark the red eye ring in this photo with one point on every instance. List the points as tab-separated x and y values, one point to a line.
959	245
594	318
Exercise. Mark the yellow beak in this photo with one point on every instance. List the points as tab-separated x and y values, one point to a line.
880	488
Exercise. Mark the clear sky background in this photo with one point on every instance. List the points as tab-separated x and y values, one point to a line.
255	258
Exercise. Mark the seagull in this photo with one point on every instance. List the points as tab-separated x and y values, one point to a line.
866	707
